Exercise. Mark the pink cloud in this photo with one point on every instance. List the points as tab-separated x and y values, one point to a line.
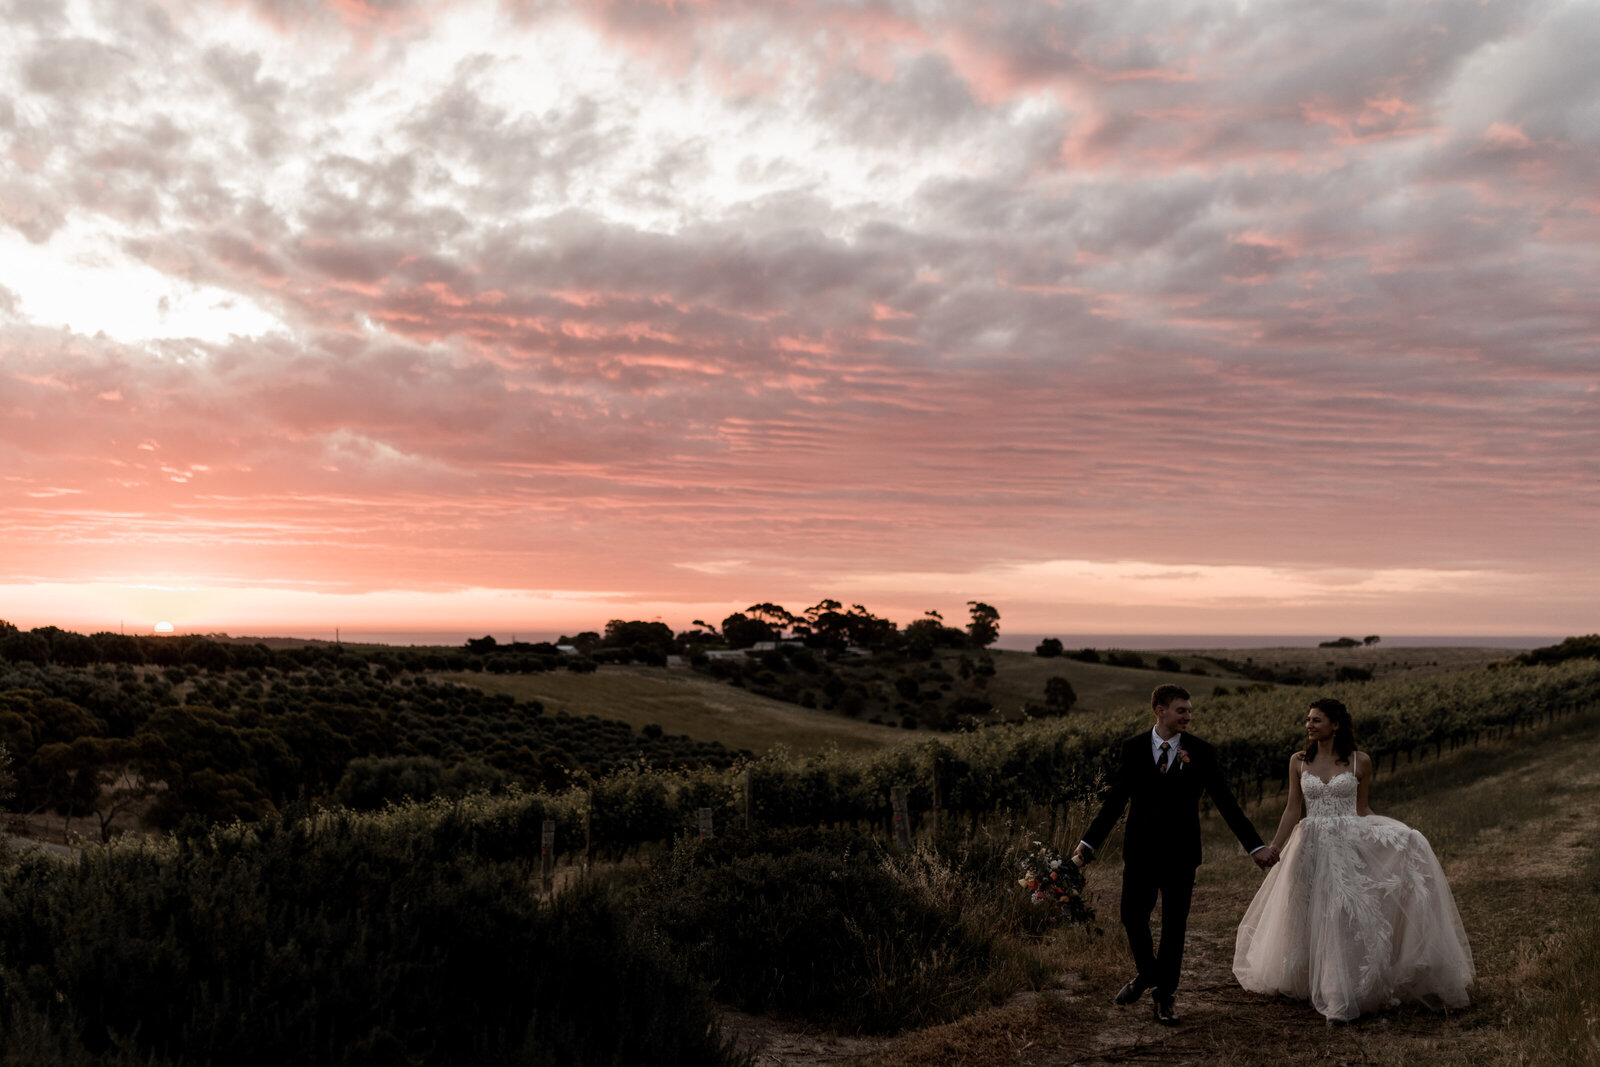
1192	290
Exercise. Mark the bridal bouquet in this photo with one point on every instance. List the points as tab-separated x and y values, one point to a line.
1053	881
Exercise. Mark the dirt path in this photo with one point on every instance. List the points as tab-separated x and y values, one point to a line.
1518	837
64	851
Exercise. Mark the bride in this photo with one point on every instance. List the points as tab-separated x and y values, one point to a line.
1357	914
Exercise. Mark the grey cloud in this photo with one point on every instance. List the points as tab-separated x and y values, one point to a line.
74	67
291	15
43	16
255	98
30	210
524	159
1554	94
925	102
1240	267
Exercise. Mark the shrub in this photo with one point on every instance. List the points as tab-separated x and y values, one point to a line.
370	783
341	941
1058	693
1049	648
833	933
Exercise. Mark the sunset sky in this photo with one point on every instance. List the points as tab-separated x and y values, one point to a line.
1177	317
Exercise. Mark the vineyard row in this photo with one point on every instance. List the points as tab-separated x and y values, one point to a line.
1049	763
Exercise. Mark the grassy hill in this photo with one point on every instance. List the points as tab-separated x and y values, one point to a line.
1020	678
708	709
692	703
686	702
1382	662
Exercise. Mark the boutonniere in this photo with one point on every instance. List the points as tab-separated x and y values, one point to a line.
1183	755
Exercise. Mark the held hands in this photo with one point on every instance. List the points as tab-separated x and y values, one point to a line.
1081	856
1265	857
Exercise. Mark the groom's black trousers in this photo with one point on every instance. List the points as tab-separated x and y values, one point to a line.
1140	886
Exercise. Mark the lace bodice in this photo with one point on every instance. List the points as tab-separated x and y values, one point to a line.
1333	799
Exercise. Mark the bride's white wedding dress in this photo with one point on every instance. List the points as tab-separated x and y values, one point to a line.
1355	916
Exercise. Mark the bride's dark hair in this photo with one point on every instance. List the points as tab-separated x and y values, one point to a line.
1344	731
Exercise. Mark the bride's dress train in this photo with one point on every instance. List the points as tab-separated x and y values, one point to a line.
1356	915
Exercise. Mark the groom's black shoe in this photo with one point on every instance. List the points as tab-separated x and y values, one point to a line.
1131	992
1164	1011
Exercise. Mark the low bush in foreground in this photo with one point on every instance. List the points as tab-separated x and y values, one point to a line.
837	930
331	941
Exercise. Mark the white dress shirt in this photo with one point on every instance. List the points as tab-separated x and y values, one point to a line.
1174	748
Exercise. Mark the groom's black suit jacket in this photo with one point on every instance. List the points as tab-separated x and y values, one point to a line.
1163	828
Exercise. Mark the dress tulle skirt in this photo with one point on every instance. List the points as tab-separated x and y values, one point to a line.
1356	916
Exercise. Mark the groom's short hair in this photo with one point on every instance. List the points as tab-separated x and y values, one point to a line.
1164	695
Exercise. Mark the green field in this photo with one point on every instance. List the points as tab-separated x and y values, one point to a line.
1397	661
685	702
1020	677
688	702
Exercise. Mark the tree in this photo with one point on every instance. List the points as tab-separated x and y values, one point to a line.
1370	640
211	765
774	616
930	632
584	642
741	631
626	634
8	784
34	725
1058	695
829	627
985	625
868	630
19	647
117	648
827	624
1049	648
119	790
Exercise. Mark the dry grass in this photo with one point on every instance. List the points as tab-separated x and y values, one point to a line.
685	702
1383	662
1020	677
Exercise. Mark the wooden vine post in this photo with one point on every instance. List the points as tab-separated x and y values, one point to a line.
708	829
547	855
902	821
588	832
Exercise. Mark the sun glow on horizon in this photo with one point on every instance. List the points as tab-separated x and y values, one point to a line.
1068	596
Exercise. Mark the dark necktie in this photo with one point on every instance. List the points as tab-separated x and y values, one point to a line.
1161	764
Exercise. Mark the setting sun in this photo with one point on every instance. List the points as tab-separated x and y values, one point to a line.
163	627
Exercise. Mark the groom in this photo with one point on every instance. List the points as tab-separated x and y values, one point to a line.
1162	775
